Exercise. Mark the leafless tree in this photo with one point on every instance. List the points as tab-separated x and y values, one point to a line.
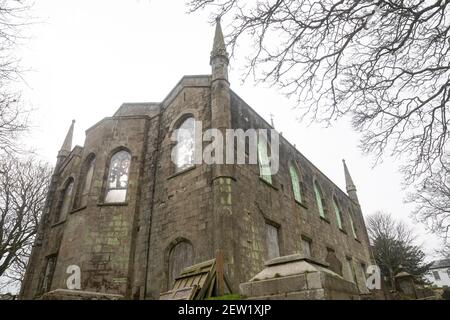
13	115
393	246
23	188
432	200
384	63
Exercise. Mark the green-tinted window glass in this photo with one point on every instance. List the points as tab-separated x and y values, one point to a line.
295	183
338	214
319	200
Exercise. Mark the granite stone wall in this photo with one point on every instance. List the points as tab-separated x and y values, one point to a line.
125	248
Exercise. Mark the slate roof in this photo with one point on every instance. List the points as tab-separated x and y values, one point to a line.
438	264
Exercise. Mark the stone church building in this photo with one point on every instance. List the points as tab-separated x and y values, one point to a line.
131	218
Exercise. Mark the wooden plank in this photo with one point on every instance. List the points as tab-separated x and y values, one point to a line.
182	294
189	281
209	282
198	268
219	274
211	288
204	277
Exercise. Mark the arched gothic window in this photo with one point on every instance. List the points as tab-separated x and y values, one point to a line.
66	201
263	160
352	224
319	199
184	150
117	184
180	257
295	182
337	211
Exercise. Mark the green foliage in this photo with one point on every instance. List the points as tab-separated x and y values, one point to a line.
446	293
394	249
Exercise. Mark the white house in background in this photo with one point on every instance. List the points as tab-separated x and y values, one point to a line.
439	274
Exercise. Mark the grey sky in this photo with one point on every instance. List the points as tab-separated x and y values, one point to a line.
88	57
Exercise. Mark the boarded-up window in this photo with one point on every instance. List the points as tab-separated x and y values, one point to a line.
319	200
351	270
118	177
273	248
48	274
306	246
180	257
333	261
295	182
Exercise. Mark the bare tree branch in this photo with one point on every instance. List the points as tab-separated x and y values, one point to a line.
432	199
23	189
13	116
384	63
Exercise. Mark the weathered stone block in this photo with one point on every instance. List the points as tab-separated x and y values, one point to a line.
314	280
61	294
307	280
274	286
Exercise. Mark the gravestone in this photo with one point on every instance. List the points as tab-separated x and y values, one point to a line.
405	284
297	277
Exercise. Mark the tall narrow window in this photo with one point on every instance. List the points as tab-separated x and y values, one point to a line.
436	275
352	224
184	150
263	160
363	272
48	274
351	270
66	201
319	200
118	177
295	182
333	261
87	181
273	247
338	214
306	246
180	257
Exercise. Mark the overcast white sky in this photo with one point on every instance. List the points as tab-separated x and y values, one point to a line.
88	57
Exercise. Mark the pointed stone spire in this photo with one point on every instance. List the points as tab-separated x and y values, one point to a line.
66	148
351	188
219	48
219	56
